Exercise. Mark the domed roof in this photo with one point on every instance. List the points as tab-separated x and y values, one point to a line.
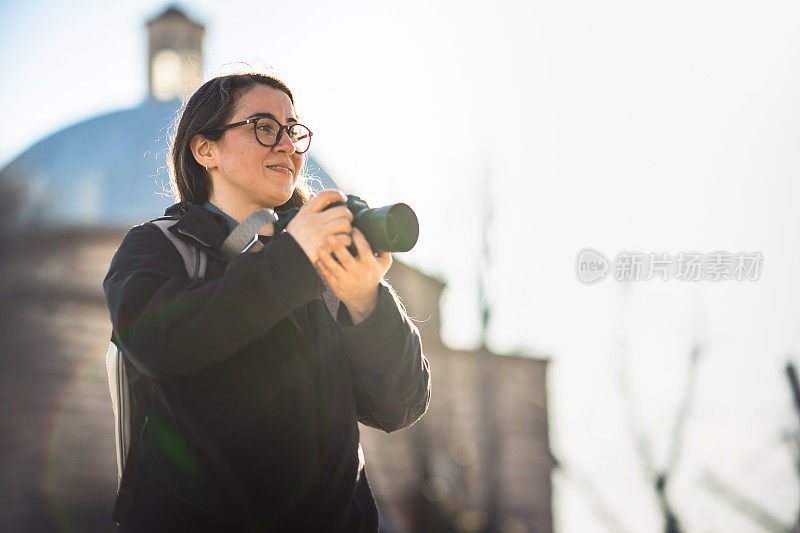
109	171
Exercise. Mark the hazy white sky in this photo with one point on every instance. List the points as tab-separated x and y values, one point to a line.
617	125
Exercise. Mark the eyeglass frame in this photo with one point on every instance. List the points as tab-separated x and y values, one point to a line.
281	128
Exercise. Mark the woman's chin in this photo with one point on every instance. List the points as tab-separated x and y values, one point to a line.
278	200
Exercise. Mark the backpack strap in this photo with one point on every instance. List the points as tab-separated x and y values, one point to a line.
195	261
194	258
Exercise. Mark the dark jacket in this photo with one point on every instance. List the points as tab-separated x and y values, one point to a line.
253	425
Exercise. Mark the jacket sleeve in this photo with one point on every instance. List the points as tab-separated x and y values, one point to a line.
169	325
391	375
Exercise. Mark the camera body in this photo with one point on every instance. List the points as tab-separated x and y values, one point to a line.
392	228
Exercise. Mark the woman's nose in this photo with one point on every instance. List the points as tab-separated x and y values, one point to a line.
285	144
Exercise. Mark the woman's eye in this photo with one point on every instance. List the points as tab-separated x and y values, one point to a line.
297	133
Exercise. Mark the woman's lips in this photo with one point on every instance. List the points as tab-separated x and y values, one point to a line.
280	168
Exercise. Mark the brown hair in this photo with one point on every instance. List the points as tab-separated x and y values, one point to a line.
208	108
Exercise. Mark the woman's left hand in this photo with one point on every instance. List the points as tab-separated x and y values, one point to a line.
354	280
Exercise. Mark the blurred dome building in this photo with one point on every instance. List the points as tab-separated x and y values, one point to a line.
478	461
120	181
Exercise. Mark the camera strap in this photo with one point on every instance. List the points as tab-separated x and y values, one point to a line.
244	237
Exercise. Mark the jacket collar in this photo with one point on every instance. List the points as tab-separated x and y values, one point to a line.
199	226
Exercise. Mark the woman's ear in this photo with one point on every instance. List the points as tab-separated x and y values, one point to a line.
202	151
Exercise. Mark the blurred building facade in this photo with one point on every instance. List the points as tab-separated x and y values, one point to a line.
478	461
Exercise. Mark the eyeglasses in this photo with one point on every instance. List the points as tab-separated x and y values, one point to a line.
268	132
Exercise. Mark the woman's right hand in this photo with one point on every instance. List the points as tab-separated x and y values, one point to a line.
313	225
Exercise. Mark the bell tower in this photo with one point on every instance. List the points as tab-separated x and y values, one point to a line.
174	55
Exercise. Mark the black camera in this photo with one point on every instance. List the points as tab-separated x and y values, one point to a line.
392	228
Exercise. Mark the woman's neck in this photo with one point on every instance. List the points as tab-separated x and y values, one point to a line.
235	210
238	212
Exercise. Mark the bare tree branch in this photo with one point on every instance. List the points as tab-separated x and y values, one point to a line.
794	385
742	504
639	436
659	478
594	499
682	416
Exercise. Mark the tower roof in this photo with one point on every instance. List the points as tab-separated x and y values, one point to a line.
173	11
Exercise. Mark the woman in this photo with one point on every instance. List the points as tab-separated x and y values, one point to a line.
253	423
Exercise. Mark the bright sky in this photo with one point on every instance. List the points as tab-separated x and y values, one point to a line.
621	126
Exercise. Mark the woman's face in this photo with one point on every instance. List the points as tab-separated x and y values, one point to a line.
249	175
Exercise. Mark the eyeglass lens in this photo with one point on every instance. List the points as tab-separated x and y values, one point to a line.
267	133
